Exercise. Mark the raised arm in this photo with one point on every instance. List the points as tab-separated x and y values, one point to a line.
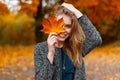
93	38
43	68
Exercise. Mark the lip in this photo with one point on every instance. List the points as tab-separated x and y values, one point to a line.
62	35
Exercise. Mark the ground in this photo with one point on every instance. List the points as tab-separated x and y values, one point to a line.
17	63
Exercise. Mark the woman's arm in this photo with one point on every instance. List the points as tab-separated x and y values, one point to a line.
93	38
43	68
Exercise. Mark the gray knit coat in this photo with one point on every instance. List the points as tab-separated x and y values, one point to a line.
44	70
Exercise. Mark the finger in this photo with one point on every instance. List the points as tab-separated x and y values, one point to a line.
64	4
67	5
52	34
52	39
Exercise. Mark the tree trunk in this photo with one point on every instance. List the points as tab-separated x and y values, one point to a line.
39	15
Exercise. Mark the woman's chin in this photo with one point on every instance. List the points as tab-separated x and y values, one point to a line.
61	39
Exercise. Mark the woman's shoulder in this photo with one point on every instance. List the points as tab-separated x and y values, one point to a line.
41	45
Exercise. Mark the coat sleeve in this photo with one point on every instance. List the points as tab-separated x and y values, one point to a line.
43	69
93	38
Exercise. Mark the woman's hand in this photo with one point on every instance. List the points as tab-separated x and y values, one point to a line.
73	9
52	40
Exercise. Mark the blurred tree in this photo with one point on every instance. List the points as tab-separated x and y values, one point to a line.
15	29
101	12
97	10
104	14
30	8
38	9
3	9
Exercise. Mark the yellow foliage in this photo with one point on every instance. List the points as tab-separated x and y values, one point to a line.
11	54
17	29
29	9
102	63
3	9
9	18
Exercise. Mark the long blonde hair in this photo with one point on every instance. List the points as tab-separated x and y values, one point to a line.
73	44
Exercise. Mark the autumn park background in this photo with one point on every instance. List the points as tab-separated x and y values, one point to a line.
20	22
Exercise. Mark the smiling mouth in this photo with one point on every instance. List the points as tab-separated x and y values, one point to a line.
62	35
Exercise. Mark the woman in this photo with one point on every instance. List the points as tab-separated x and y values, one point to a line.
61	56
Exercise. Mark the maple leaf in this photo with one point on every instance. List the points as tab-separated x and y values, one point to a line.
52	25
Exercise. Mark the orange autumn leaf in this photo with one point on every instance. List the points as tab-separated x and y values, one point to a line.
52	25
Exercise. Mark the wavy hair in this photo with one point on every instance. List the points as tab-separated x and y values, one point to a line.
73	44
